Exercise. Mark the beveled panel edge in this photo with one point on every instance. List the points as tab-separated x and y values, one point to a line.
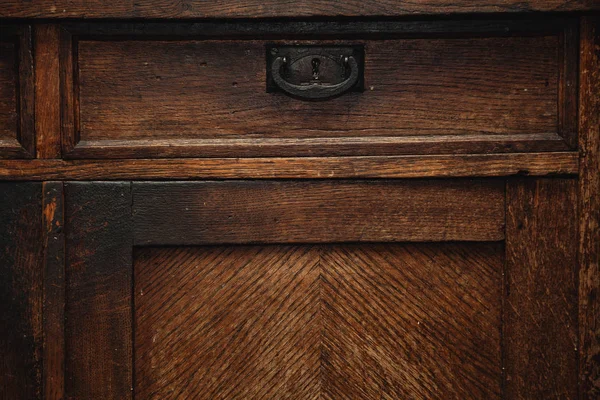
439	166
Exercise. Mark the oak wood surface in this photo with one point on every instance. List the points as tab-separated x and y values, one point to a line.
589	210
314	212
540	312
47	91
441	166
98	318
21	290
54	290
273	8
208	98
309	322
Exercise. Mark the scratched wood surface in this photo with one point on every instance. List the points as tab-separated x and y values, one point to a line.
21	290
308	322
540	314
149	98
274	8
589	208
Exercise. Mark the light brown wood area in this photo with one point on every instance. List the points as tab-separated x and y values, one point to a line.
273	8
308	322
149	98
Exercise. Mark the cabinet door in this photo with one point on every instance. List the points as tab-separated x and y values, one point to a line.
427	289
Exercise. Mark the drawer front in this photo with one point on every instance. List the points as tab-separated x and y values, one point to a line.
138	95
16	93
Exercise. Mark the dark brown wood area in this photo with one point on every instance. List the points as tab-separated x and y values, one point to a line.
317	212
540	313
21	290
304	322
274	8
98	319
589	210
53	225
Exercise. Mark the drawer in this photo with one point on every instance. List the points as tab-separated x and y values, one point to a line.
16	93
180	90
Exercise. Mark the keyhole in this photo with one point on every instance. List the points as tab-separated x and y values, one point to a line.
315	67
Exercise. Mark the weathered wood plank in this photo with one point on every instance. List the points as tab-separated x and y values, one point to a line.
181	213
98	315
47	91
273	8
589	212
442	166
21	290
540	313
54	290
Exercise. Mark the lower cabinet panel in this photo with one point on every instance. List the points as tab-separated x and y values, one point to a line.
369	321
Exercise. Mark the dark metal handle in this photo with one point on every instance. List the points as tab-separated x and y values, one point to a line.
315	91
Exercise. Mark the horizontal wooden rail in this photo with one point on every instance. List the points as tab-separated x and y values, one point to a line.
439	166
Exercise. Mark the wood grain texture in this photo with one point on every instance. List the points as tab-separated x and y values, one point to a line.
183	213
54	290
21	288
319	322
568	90
441	166
540	313
155	98
98	313
274	8
47	91
8	98
589	211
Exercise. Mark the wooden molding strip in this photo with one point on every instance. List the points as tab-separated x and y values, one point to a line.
439	166
274	8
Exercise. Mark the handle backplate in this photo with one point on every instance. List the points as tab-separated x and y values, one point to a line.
315	72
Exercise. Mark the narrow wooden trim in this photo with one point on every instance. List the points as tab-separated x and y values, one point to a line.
198	213
540	308
442	166
99	273
589	210
318	147
69	134
47	91
568	82
278	29
26	91
170	9
54	291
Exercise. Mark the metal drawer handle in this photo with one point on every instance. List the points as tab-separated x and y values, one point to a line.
313	89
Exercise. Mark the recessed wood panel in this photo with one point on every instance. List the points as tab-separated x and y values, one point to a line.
146	98
308	322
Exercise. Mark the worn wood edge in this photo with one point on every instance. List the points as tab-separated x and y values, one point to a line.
568	100
315	28
589	211
26	92
54	290
11	148
69	135
442	166
321	147
174	9
47	90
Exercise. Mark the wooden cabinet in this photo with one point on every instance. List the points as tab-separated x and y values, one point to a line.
180	231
